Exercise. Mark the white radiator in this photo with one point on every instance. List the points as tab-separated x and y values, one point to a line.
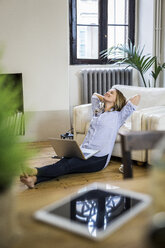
101	80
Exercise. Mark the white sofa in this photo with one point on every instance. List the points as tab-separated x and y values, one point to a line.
150	115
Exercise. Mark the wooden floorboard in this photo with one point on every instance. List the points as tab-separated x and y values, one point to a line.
43	156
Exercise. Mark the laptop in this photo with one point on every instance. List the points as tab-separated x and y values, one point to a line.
70	148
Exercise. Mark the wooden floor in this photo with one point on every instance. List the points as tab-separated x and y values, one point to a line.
44	154
38	235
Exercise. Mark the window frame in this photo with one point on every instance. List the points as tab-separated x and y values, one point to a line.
103	19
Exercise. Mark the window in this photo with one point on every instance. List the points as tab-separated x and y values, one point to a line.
96	25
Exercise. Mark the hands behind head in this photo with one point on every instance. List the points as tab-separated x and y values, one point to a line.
135	99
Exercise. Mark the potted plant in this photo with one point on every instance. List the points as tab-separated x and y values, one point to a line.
133	56
13	157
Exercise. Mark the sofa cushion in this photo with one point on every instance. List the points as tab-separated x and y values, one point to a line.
149	96
82	115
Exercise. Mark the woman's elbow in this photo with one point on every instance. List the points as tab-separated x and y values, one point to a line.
135	99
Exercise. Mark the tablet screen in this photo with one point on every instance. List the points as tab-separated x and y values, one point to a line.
96	209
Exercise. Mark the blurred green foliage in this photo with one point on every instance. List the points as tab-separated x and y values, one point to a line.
13	153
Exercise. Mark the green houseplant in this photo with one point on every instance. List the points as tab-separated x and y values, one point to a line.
13	157
13	154
133	56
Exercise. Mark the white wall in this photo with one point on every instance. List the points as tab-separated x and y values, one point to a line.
145	27
35	35
145	30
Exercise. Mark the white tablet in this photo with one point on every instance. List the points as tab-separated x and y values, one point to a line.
94	211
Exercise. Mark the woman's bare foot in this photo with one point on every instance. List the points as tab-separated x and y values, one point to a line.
28	181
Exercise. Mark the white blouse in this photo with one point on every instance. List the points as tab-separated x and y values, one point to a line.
104	127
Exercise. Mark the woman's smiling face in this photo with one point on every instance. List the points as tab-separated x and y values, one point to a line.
110	96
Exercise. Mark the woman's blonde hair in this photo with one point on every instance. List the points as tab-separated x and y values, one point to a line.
120	101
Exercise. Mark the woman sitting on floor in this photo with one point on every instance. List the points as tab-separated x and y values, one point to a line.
109	114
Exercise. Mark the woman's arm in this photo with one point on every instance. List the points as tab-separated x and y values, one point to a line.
99	96
96	99
128	109
134	99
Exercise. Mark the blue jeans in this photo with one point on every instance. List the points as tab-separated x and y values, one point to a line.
70	166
